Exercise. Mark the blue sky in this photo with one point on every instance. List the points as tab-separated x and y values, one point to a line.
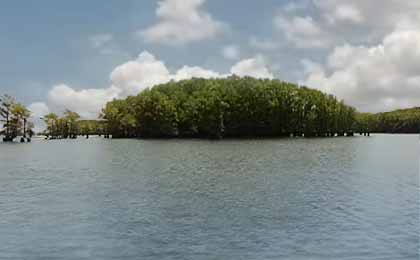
47	42
61	54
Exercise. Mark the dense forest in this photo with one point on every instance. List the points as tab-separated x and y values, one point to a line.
15	119
398	121
229	107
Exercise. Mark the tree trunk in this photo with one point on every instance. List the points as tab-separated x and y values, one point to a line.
24	127
7	125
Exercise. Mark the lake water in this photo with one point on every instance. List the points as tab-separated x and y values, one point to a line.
341	198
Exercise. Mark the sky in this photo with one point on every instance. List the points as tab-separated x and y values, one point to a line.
77	55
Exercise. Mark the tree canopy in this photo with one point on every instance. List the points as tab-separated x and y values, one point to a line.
62	127
229	107
398	121
14	117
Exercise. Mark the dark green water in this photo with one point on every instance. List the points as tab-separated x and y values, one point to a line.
342	198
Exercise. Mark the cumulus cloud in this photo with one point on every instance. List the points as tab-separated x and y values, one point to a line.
366	13
299	25
303	32
336	22
372	51
146	71
136	75
341	11
38	110
255	67
131	78
181	22
187	72
86	102
231	52
383	76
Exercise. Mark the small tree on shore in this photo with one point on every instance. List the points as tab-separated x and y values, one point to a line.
6	105
15	119
71	118
51	121
20	115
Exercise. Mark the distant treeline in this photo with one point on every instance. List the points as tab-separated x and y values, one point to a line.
398	121
70	126
230	107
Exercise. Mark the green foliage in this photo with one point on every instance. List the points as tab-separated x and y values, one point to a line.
71	123
120	117
20	118
62	127
230	107
14	117
155	113
398	121
6	106
91	127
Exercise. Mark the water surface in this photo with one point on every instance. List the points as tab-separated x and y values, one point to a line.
342	198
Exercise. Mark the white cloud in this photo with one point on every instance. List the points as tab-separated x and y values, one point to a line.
369	14
299	25
231	52
38	110
303	32
375	78
181	22
403	48
86	102
255	67
347	12
146	71
187	72
342	12
374	60
134	76
328	23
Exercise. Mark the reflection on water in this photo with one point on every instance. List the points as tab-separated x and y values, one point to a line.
343	198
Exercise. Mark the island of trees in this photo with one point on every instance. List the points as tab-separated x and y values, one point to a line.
215	108
229	107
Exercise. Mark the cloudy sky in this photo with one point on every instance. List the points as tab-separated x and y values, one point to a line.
80	54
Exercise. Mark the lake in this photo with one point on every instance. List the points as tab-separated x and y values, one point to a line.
340	198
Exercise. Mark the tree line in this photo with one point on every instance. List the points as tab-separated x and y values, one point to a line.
399	121
69	126
229	107
15	119
14	122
